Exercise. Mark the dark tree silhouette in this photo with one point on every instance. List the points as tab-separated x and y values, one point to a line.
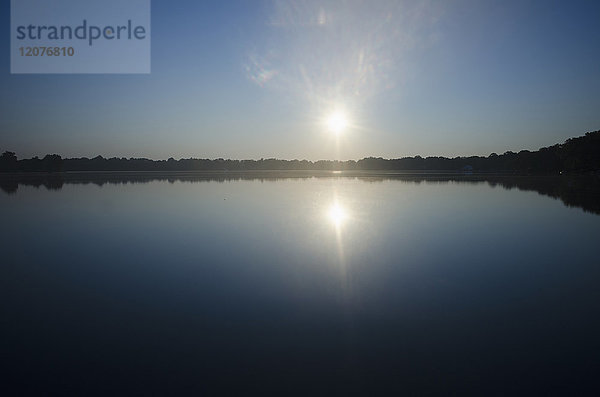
8	161
579	155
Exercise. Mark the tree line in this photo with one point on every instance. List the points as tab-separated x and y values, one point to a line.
575	155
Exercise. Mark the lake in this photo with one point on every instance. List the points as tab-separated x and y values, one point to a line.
431	284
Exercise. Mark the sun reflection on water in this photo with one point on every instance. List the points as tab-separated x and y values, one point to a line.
337	214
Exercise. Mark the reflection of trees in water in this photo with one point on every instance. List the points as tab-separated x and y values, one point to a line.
9	186
574	191
582	192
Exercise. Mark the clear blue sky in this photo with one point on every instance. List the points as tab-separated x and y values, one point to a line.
252	79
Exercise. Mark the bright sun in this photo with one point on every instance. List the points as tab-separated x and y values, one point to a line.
337	122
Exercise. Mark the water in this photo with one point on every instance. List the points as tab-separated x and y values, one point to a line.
160	284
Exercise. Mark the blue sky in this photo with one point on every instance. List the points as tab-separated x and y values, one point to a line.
252	79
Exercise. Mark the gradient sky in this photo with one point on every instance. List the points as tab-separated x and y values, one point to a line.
252	79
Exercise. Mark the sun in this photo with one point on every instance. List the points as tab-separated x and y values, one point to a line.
337	122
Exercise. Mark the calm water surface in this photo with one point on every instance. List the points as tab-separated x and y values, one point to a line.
316	285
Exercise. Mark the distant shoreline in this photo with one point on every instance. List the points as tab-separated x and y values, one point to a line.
250	174
579	155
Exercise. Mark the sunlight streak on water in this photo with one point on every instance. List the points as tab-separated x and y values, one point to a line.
337	215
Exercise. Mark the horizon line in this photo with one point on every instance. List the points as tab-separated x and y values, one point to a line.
306	160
